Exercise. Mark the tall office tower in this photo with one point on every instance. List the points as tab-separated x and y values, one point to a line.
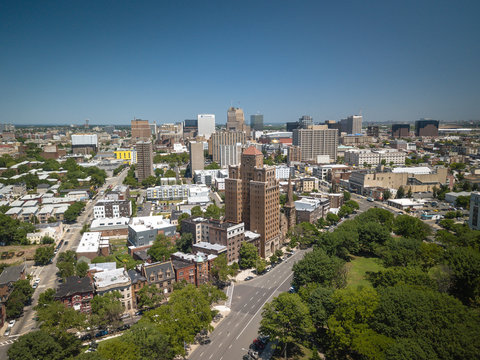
206	125
252	196
153	129
190	128
332	124
400	130
197	161
222	138
305	121
289	207
316	140
426	127
473	220
236	120
256	122
352	124
294	154
144	160
373	130
141	130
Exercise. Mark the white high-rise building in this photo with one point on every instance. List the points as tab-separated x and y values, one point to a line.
206	125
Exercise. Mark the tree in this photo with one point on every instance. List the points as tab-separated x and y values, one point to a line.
196	211
220	270
107	309
118	349
213	211
46	240
352	204
400	252
464	263
317	267
162	248
372	234
409	226
184	243
36	345
149	181
345	210
400	193
81	269
409	193
151	342
346	196
170	173
463	201
44	254
20	296
212	166
45	298
248	255
401	275
332	218
55	318
286	319
387	195
273	259
260	266
66	263
74	211
149	296
182	217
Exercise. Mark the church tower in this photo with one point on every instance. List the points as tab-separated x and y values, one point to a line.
289	207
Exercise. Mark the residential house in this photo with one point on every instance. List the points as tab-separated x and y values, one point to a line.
77	293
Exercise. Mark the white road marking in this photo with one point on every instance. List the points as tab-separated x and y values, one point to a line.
251	299
273	292
230	346
210	356
257	292
201	354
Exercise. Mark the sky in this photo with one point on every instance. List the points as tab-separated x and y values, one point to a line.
62	62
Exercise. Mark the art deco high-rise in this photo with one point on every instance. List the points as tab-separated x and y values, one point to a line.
252	196
236	120
144	165
141	130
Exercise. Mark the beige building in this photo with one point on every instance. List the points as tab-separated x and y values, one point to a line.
316	140
144	160
294	154
361	157
236	120
141	130
252	197
223	146
197	161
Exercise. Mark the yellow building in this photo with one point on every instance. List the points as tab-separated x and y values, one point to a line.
128	156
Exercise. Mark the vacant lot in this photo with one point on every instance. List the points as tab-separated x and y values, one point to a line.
358	267
29	252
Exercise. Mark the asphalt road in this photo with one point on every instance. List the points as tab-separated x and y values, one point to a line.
47	274
233	336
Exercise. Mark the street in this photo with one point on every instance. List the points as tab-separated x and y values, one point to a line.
233	336
47	273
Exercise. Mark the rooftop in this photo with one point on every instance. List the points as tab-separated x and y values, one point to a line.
74	285
90	242
252	150
111	277
208	246
148	223
11	274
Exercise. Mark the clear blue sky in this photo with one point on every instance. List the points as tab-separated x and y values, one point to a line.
64	61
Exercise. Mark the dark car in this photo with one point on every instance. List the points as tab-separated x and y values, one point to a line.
101	333
248	278
124	327
205	341
86	337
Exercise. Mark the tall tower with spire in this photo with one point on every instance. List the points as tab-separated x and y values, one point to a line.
289	207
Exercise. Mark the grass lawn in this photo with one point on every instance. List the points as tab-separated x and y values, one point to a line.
118	242
358	267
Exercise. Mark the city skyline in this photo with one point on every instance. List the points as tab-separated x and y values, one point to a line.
64	63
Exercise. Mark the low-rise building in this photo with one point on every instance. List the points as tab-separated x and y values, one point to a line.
53	230
109	227
92	245
115	280
208	177
142	231
8	277
112	209
311	209
77	293
362	157
201	264
404	204
160	274
451	197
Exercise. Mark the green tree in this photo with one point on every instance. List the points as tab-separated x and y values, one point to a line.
184	243
46	298
346	196
401	275
248	255
352	204
317	267
371	234
220	270
21	295
463	201
118	349
162	248
47	240
36	345
149	181
213	211
345	210
260	266
107	309
332	218
464	263
182	217
273	259
44	254
151	342
149	296
286	319
196	211
410	227
400	193
81	269
170	173
212	166
387	195
55	318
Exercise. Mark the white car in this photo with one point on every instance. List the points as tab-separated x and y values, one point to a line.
37	281
11	323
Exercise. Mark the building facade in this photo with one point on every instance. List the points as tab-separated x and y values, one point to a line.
206	125
400	130
77	293
144	165
224	148
236	120
373	130
197	161
426	127
352	124
252	197
317	140
112	209
256	122
140	130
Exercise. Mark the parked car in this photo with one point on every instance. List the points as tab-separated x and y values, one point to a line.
370	199
7	332
205	341
124	327
86	337
248	278
34	286
101	333
11	323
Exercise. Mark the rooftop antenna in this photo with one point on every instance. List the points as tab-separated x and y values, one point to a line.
86	123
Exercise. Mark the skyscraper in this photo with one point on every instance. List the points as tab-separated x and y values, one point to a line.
236	120
217	143
426	127
206	125
316	140
256	122
252	197
305	121
141	130
352	124
144	159
197	161
400	130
